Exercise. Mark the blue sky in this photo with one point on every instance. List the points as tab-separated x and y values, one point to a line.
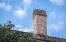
20	13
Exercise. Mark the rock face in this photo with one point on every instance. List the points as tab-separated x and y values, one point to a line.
39	17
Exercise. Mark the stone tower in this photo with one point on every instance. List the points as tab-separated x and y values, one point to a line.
40	26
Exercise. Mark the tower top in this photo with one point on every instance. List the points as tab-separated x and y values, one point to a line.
39	12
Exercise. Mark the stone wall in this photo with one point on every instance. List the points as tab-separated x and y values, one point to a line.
50	39
55	39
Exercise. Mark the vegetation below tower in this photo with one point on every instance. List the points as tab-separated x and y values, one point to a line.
9	35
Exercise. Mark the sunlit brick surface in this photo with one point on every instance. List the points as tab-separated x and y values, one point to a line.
39	17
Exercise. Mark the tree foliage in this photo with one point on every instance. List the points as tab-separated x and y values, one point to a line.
7	35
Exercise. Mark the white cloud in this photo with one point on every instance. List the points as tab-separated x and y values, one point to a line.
57	26
5	6
58	21
21	28
27	29
58	2
19	13
18	26
8	7
27	2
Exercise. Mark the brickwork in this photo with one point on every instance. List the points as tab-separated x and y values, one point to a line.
39	17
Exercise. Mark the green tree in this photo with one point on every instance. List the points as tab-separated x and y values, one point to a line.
5	32
8	35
